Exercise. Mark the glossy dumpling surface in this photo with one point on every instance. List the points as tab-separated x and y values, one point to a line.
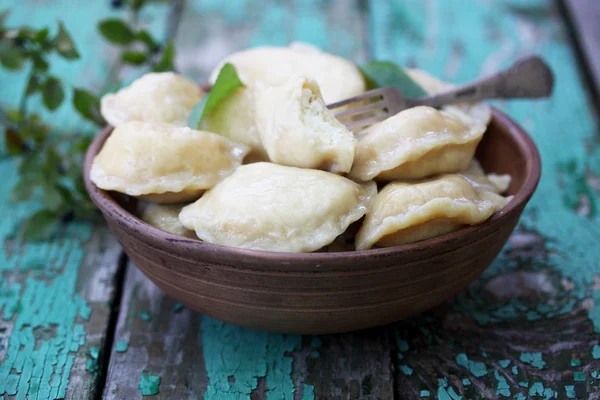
415	143
298	130
408	212
165	217
471	113
270	207
154	97
337	77
164	163
234	118
474	174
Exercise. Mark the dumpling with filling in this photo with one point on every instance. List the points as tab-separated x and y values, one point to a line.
475	175
475	113
154	97
338	78
164	163
409	212
234	117
413	144
270	207
297	129
165	217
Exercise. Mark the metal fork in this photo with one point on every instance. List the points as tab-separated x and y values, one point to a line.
529	77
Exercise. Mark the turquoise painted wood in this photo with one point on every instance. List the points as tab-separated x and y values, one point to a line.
529	328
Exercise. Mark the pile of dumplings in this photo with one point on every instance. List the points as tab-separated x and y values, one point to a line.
270	168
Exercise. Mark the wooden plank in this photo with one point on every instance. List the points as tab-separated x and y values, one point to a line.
197	356
530	327
56	296
585	15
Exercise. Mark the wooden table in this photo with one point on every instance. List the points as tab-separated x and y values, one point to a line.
78	321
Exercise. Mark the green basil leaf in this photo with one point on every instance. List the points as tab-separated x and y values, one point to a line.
145	37
33	85
39	63
227	82
379	74
11	57
41	225
166	60
135	57
116	31
88	106
26	33
52	93
64	44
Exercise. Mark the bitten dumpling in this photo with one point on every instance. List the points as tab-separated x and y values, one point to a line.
154	97
164	163
471	113
165	217
297	129
234	118
415	143
271	207
475	175
337	77
406	213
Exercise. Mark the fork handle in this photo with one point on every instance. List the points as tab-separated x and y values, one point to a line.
529	77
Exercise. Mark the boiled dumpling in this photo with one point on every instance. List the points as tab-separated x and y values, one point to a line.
164	163
408	212
337	77
271	207
165	217
470	113
234	118
154	97
415	143
297	129
490	182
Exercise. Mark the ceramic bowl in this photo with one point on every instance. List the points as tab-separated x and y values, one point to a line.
318	293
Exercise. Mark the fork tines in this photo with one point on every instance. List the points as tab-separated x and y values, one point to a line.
365	109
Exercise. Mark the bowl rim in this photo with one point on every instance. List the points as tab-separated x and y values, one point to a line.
196	249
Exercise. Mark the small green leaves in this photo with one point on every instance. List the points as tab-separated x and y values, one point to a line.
52	93
88	106
116	31
40	225
166	61
135	57
227	82
147	39
33	85
11	57
388	74
64	44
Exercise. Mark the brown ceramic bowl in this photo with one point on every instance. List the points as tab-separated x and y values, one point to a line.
327	292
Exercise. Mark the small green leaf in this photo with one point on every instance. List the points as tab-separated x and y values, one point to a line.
41	35
135	57
41	225
166	60
33	85
227	82
26	33
88	106
145	37
116	31
386	73
52	93
52	197
22	191
11	57
39	63
64	44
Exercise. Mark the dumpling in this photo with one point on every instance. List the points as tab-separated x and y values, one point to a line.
297	128
234	118
338	78
415	143
164	163
154	97
474	113
165	217
271	207
490	182
406	213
